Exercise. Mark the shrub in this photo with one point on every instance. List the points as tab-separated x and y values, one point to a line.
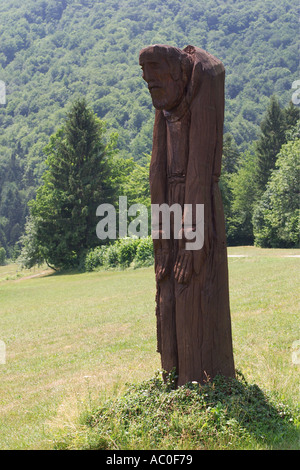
111	256
94	258
127	248
122	253
144	253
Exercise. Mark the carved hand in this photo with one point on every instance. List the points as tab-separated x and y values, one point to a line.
183	268
162	255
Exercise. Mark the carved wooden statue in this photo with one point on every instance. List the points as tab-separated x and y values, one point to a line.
193	315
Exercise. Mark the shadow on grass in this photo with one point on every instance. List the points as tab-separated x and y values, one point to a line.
66	272
267	419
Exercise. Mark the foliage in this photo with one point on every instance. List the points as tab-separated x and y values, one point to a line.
2	256
53	52
135	182
94	258
223	413
127	250
144	254
230	157
122	253
13	202
273	135
276	216
243	186
243	193
31	251
131	179
75	183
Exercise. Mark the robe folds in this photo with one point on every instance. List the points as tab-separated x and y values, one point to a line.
193	319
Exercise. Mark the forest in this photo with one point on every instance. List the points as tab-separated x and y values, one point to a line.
56	51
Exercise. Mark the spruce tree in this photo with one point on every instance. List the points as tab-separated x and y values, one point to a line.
230	155
292	116
272	137
75	183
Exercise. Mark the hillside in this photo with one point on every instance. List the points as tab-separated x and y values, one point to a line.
53	51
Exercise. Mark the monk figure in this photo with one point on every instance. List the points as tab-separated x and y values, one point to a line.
192	299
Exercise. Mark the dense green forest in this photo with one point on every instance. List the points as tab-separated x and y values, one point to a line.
54	51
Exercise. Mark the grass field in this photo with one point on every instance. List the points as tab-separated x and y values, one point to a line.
70	338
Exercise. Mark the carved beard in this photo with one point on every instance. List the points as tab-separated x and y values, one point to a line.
166	97
159	102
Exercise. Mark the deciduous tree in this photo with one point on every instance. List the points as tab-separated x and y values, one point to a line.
276	216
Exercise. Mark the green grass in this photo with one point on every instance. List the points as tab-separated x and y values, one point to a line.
221	414
74	340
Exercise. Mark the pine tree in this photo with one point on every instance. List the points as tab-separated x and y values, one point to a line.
230	155
292	115
273	128
75	183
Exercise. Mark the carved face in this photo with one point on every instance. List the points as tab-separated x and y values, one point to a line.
166	91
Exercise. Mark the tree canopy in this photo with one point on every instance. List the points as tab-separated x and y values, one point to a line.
53	52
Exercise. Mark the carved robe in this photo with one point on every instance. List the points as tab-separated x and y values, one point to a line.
193	319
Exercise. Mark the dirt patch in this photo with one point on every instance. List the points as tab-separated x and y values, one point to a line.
41	274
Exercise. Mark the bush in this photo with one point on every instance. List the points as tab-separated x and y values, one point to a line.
144	253
124	252
127	248
94	258
111	256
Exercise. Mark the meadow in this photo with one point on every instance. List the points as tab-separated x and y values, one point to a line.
72	339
